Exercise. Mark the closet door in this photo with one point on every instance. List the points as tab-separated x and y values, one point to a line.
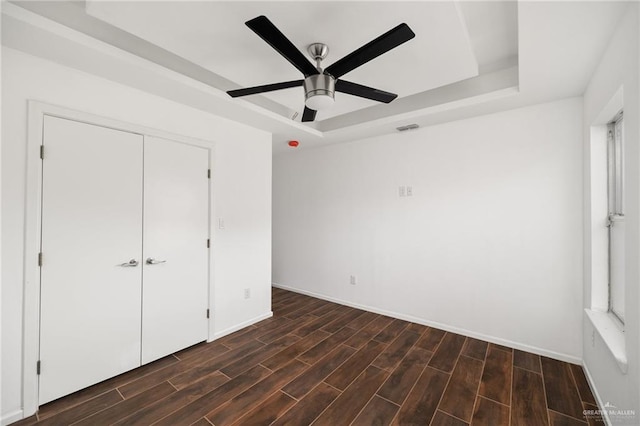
176	228
91	228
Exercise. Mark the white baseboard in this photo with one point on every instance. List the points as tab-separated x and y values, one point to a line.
594	391
240	326
497	340
11	417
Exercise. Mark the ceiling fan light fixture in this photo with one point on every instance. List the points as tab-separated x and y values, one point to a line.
319	101
319	91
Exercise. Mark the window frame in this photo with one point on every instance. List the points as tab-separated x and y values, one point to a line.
615	199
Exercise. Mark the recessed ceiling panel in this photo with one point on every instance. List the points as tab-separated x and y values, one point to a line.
493	29
213	35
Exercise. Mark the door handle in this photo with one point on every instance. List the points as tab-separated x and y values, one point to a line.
131	263
152	261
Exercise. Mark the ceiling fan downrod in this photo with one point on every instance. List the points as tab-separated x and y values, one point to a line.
318	52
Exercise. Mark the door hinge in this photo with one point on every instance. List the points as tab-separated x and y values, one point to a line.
38	367
40	259
207	313
208	243
42	152
208	173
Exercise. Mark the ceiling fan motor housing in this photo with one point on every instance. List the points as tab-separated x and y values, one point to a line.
319	90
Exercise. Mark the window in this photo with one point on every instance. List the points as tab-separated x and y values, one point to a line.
615	172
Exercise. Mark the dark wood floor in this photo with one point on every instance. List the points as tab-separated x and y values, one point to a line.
322	363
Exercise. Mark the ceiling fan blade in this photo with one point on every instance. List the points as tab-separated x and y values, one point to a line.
387	41
364	91
272	35
308	114
262	89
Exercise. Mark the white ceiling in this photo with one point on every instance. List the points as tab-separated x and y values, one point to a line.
213	35
468	58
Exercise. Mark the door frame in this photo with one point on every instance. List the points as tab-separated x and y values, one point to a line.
33	228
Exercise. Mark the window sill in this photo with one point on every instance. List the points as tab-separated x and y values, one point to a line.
612	335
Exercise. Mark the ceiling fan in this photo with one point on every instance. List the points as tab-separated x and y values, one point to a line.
321	84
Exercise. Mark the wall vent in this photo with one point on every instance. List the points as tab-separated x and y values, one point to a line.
407	127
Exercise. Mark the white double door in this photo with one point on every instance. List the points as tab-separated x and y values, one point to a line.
124	275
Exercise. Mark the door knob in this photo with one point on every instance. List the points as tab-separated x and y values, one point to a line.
130	263
152	261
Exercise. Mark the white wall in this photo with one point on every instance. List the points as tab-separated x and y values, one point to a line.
618	68
241	190
489	245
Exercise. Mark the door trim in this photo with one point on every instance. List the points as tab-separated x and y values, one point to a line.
33	229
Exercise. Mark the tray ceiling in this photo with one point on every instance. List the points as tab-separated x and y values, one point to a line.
213	35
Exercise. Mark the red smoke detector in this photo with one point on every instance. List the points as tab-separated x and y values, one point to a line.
294	144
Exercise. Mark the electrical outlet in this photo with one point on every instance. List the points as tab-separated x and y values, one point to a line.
402	191
352	280
247	293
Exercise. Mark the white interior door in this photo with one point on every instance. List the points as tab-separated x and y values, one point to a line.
176	228
91	225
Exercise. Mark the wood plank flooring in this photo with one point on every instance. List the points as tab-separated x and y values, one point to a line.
317	362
